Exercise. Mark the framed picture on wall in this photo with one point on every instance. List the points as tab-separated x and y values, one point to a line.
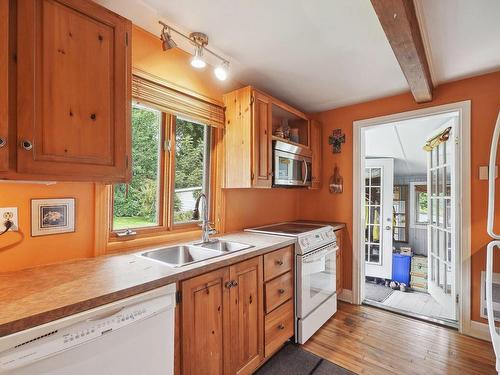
52	216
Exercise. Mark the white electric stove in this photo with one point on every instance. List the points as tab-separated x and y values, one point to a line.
315	273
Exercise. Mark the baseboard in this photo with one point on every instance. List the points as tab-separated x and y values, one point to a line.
345	296
478	330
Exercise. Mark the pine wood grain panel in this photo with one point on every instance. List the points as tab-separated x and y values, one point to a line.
278	262
247	316
278	291
367	340
317	149
279	327
262	128
4	84
73	90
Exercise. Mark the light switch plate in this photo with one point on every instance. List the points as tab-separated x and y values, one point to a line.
483	172
11	214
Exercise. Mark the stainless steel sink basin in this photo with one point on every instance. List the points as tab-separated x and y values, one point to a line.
177	256
224	246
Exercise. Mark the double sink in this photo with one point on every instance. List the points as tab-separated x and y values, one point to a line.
182	255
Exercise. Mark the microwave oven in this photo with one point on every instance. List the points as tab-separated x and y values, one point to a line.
291	165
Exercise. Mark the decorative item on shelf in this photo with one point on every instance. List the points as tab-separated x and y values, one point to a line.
286	130
336	184
294	135
336	140
52	216
278	132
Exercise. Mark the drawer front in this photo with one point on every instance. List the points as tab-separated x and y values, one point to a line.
278	291
278	327
278	262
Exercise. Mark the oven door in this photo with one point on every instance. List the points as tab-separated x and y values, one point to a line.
316	278
291	169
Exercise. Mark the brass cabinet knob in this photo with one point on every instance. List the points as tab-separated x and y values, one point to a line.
3	142
26	144
281	326
228	284
281	291
279	262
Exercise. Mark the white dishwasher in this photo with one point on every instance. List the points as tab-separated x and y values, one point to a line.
132	336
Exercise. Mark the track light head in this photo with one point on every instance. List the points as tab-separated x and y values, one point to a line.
197	60
166	40
221	72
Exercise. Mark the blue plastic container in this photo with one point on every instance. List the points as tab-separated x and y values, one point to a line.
401	268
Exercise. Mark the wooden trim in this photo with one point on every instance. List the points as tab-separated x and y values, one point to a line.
464	178
399	21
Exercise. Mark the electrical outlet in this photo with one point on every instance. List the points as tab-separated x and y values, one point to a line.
8	213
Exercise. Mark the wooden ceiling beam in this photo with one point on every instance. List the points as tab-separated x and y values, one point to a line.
399	21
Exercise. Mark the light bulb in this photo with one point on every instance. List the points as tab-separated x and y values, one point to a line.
221	72
197	60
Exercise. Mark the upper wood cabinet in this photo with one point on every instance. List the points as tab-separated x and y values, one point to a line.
251	118
316	154
73	91
4	84
223	320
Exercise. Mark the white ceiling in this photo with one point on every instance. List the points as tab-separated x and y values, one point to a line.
323	54
404	141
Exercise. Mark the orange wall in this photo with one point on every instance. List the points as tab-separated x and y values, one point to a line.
484	93
245	207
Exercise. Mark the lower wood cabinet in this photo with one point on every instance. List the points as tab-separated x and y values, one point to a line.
231	321
222	317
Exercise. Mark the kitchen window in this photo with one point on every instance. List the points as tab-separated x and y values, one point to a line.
174	135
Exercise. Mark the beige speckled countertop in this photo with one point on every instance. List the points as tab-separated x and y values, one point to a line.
39	295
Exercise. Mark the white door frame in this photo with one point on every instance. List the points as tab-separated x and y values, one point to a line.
463	200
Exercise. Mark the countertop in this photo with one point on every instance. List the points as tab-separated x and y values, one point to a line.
40	295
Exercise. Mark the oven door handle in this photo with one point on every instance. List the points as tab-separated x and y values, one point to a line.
315	257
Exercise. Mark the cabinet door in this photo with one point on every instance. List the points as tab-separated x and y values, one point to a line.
338	233
247	316
4	85
205	330
262	154
73	90
316	154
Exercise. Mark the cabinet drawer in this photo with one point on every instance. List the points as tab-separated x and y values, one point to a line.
278	262
278	327
278	291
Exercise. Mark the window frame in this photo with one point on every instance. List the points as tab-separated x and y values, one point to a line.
167	183
414	205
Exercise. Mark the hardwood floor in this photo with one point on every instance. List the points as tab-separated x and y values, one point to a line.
367	340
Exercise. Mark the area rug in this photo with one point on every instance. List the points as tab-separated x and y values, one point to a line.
292	360
377	292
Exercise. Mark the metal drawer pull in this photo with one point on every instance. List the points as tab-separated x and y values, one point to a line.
281	291
27	145
228	284
279	262
235	283
281	326
3	142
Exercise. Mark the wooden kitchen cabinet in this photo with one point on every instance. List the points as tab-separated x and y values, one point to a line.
73	91
339	234
4	84
223	320
251	116
316	149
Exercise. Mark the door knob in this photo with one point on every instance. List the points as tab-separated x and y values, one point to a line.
388	227
26	144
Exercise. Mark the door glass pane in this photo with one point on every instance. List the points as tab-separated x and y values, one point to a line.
448	218
434	157
367	233
135	205
434	182
375	253
448	181
376	174
442	180
366	252
367	176
192	160
433	268
448	279
434	209
448	247
374	233
434	241
441	274
440	212
374	214
375	195
441	153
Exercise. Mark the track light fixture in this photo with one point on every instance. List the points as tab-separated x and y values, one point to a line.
200	42
166	39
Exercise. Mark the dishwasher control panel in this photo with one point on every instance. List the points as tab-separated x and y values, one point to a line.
66	338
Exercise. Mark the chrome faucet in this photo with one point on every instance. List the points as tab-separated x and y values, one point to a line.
206	229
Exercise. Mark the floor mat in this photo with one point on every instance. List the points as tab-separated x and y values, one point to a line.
292	360
376	292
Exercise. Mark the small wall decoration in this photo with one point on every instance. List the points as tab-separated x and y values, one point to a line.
336	140
52	216
336	183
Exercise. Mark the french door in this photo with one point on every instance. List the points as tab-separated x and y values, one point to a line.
379	182
441	230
